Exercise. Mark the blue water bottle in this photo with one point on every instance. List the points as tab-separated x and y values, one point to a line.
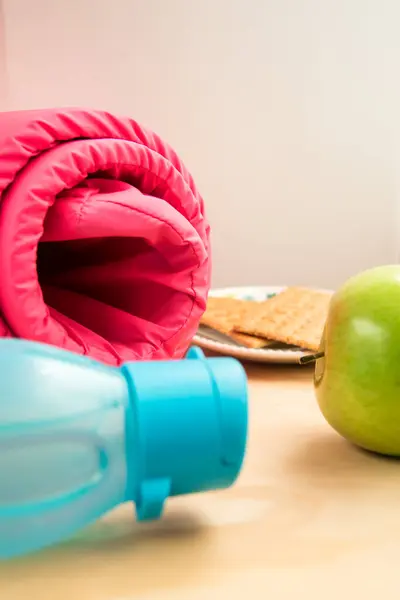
78	438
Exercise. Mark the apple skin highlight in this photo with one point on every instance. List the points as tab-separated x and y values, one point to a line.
357	380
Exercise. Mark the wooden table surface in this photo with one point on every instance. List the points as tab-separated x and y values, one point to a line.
310	517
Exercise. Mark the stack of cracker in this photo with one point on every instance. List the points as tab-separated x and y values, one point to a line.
223	314
294	317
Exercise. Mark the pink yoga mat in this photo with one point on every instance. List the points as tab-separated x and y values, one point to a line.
104	245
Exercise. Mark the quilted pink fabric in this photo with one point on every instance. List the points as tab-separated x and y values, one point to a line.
104	245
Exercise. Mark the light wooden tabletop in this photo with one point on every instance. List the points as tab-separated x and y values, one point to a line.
310	517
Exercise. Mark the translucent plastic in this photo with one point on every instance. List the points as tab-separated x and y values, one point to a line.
78	438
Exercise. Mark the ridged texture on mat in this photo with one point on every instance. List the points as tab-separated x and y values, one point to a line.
104	246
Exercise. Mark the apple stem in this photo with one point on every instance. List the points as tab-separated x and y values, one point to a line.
311	358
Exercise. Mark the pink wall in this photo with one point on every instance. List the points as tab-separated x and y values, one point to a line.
3	67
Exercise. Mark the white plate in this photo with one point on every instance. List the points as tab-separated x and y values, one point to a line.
288	356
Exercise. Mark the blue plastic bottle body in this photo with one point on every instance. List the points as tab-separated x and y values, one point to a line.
78	438
62	444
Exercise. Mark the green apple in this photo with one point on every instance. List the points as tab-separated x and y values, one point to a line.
357	378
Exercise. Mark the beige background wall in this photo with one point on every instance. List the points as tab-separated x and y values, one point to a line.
286	111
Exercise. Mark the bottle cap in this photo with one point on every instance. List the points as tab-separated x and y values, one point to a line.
187	428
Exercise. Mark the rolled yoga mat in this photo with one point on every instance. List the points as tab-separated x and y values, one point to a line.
104	245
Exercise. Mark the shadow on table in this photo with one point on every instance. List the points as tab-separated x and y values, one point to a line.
115	556
120	535
117	535
279	372
327	461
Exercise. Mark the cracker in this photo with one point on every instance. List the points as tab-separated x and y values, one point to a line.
250	341
222	313
294	317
